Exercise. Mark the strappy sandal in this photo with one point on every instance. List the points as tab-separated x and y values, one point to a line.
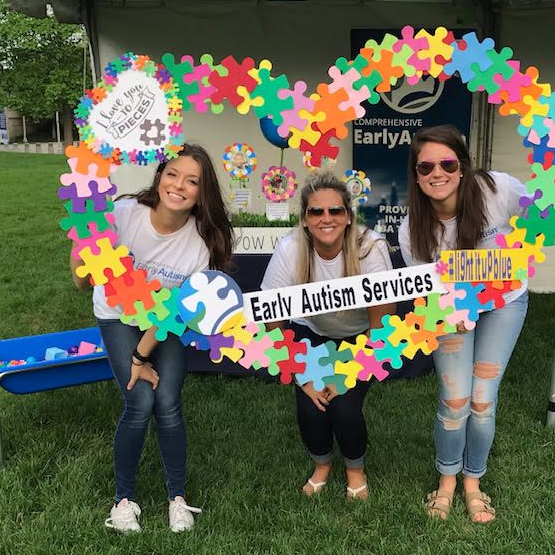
432	503
483	507
353	493
316	487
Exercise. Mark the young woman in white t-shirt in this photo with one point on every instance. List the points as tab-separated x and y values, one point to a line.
176	227
453	206
328	245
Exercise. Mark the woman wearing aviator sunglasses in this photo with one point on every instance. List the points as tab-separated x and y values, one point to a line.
329	245
453	206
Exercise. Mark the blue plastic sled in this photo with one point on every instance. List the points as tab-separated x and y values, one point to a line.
48	374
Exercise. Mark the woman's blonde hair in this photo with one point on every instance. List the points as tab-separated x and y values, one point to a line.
354	237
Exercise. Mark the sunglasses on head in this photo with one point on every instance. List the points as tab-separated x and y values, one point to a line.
318	211
450	165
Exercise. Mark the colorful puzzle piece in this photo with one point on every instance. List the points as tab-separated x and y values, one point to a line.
226	85
291	118
467	52
96	264
268	89
486	79
538	221
79	221
315	371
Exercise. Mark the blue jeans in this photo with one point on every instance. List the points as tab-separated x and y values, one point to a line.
470	367
169	359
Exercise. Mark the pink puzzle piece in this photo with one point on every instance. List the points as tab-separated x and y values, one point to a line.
255	353
448	300
291	118
510	86
407	32
535	139
82	181
91	241
370	367
342	81
200	73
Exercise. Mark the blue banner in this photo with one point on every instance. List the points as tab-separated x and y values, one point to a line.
382	137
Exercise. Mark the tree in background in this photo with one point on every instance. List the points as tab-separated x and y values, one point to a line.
43	66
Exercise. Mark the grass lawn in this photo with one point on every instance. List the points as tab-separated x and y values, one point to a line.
246	462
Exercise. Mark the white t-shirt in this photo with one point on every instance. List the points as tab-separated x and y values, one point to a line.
500	206
281	272
170	258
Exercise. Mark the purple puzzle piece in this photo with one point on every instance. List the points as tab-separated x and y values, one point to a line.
78	203
216	343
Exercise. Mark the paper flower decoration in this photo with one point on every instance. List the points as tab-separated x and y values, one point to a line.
358	184
239	160
278	184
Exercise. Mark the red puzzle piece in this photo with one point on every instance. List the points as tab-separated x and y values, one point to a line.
130	287
493	293
237	76
321	148
290	366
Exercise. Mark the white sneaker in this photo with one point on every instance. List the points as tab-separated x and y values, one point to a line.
181	517
123	517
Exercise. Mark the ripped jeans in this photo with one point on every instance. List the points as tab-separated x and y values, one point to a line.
470	367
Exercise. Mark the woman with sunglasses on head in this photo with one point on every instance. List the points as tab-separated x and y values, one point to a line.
173	229
328	245
454	206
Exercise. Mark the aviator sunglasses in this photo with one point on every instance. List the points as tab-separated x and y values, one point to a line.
450	165
318	211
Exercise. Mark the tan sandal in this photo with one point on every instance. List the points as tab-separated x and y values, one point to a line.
316	487
483	507
355	493
432	503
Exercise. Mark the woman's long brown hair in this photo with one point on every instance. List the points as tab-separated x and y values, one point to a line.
210	212
471	211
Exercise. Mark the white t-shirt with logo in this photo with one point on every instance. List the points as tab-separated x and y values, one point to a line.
281	272
169	258
500	206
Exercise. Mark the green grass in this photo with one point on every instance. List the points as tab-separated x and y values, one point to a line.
246	462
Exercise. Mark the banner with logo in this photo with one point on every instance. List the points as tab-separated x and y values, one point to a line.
382	137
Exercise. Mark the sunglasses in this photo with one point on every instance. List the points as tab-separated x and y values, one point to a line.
450	165
318	211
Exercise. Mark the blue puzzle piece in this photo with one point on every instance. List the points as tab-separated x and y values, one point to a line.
315	371
470	301
385	351
539	151
200	342
475	52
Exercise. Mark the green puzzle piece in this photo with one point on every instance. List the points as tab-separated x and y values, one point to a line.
337	380
534	224
359	63
499	66
178	70
268	89
170	323
387	44
433	314
80	220
545	182
141	317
